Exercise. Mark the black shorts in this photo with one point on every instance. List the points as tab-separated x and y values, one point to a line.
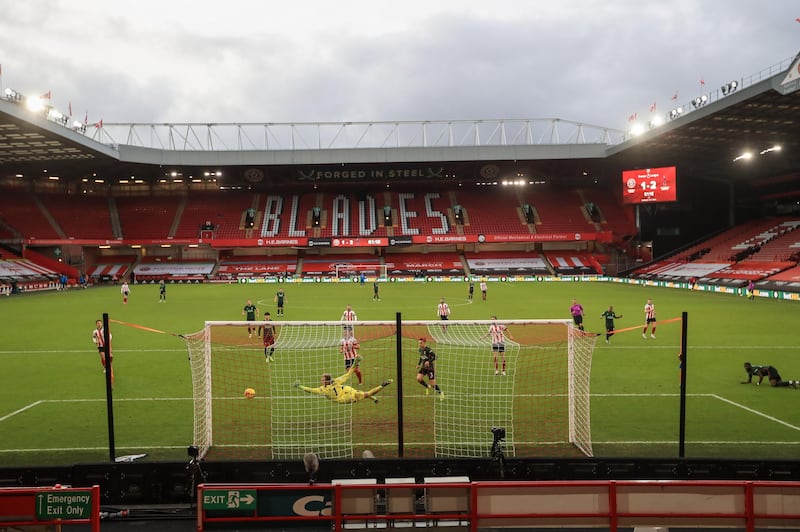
500	348
443	317
773	374
577	319
650	320
427	372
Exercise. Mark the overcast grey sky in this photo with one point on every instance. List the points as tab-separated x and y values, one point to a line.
589	61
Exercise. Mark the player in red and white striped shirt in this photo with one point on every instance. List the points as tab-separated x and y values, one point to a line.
649	317
348	347
348	317
99	339
498	333
444	312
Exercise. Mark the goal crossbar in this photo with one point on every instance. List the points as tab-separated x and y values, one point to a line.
535	385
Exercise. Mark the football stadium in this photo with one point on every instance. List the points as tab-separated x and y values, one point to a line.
480	301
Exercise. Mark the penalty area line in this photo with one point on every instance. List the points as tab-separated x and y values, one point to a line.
19	411
98	400
756	412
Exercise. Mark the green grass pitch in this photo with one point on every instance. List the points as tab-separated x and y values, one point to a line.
52	389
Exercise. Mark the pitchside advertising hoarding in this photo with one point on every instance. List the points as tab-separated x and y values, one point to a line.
649	185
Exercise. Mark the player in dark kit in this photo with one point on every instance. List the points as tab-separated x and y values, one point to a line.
425	368
771	372
280	299
249	310
269	337
471	291
609	316
375	291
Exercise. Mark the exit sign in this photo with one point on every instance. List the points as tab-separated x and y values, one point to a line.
229	500
64	505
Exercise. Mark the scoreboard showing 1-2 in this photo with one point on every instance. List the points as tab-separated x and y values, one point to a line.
649	185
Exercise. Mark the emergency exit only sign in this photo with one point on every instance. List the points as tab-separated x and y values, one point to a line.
64	505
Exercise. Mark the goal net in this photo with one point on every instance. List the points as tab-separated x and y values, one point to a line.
355	270
535	387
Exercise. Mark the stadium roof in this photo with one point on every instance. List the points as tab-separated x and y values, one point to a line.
705	141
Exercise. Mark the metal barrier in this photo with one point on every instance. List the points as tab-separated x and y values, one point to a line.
479	505
50	506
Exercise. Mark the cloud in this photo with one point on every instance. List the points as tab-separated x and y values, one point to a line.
589	61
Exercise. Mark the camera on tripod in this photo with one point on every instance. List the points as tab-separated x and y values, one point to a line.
499	433
197	475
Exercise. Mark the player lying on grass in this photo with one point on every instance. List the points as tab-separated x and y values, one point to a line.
770	372
336	390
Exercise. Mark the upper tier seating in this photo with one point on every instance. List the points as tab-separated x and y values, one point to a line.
559	210
351	215
615	216
224	209
81	216
147	218
499	215
20	210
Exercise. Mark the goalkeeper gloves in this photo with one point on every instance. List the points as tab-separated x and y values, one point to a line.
296	384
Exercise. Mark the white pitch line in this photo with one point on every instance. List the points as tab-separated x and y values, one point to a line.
74	449
692	347
24	408
695	442
756	412
42	401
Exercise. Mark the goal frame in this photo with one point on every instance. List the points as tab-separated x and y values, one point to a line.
343	269
578	411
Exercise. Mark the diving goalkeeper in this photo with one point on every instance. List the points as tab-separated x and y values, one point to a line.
337	391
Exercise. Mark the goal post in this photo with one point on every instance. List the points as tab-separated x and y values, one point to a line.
347	269
536	388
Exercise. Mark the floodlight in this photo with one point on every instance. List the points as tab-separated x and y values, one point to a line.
675	113
35	104
13	96
730	87
700	101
